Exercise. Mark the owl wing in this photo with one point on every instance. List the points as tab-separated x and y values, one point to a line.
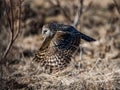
71	29
58	55
63	40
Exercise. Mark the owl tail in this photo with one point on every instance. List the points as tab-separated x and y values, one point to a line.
87	38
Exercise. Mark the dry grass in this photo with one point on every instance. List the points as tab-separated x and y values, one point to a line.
99	68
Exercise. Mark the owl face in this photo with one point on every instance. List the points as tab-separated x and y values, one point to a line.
48	31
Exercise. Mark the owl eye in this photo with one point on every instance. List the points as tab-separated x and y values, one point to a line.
45	31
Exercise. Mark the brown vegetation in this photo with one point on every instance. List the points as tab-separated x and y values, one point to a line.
96	66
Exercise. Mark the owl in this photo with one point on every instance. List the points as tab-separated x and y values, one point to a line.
59	44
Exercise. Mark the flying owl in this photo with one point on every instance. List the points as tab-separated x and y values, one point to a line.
60	42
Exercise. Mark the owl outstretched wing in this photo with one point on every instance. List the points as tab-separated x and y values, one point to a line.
72	30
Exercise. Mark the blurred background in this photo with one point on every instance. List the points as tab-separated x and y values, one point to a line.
98	68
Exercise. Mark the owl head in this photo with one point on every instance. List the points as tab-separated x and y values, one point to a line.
49	30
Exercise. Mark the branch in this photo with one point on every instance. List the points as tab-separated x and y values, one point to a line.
63	11
117	6
11	21
19	21
12	17
78	14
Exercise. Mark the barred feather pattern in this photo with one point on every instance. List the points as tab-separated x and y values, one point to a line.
58	54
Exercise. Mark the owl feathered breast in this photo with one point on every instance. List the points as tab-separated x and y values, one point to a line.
57	55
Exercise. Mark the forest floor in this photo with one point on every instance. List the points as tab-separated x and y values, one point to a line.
98	68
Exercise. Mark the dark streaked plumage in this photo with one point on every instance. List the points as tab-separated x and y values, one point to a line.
60	42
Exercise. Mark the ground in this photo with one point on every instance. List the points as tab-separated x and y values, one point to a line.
97	68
